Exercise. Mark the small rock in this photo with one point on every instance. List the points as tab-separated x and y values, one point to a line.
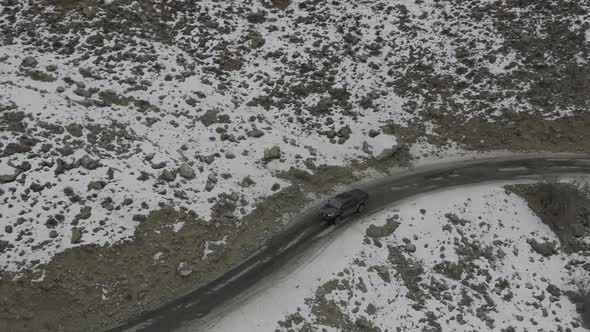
209	186
89	163
230	155
275	187
374	133
85	212
29	62
409	247
368	149
256	133
7	178
363	323
272	153
186	171
96	185
184	269
543	248
8	229
139	217
167	175
553	290
247	182
52	234
76	235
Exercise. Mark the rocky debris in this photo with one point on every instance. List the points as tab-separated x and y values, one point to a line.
186	171
368	149
53	234
76	236
382	272
456	220
256	17
449	269
184	269
272	153
543	248
275	187
382	231
323	106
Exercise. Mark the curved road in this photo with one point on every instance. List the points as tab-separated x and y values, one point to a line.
303	233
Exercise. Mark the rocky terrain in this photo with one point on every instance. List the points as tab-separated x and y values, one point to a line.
476	260
157	132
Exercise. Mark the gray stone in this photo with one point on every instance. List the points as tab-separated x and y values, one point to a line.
85	212
543	248
167	175
186	171
52	234
76	235
553	290
409	247
96	185
184	269
374	133
89	163
368	149
387	153
7	178
272	153
209	186
29	62
256	133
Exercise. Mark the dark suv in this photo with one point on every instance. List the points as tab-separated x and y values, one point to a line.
344	204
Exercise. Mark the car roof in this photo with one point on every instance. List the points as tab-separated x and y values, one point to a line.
354	193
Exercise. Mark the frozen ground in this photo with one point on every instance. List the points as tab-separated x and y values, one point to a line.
111	109
459	259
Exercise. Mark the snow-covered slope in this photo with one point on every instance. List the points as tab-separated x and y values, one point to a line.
455	260
109	109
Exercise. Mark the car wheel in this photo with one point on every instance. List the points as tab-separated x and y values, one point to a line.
360	208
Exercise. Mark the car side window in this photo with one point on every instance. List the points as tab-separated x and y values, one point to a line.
348	204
